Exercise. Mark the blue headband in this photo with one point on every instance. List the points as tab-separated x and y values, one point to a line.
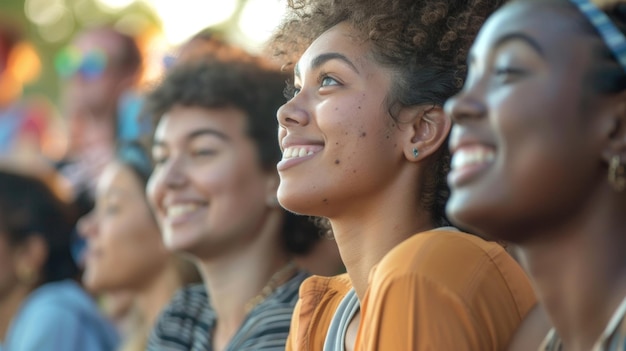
611	36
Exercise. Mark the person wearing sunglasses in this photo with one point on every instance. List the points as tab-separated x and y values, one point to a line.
99	72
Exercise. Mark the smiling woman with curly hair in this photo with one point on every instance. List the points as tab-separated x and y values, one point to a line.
364	146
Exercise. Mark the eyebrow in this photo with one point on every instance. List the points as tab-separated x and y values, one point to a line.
323	58
519	36
195	134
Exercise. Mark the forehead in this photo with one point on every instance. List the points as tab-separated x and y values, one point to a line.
341	38
118	175
555	26
181	122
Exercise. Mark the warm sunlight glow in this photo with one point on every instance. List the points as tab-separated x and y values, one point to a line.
259	18
114	4
183	18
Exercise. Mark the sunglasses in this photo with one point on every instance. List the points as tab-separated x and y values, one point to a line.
71	61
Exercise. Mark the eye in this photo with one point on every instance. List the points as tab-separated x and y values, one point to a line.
507	74
111	209
203	152
106	208
158	160
159	155
328	81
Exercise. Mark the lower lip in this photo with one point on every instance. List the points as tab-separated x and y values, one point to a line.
285	164
463	175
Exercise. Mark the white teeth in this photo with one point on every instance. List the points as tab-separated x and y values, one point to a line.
178	210
472	156
296	151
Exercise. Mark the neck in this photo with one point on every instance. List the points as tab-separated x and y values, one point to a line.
366	232
156	295
579	273
9	307
233	280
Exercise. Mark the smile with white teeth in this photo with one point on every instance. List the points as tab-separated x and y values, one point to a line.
472	156
296	151
179	210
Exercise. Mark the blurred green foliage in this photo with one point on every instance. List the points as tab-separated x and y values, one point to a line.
13	11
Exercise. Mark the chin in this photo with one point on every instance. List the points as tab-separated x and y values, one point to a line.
469	218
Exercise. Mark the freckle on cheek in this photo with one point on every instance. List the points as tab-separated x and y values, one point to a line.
363	134
325	201
337	162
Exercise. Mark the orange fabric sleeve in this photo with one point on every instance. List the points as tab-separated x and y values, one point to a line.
444	291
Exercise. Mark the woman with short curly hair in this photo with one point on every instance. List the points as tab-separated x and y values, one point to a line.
364	146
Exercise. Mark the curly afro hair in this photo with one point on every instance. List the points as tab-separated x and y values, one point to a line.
424	42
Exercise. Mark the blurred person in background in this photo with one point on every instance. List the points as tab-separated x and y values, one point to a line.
100	70
41	306
213	190
126	258
322	256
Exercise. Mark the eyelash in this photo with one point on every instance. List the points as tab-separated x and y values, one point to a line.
505	72
203	152
324	76
158	161
291	91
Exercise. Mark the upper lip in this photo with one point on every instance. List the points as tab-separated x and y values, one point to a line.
180	201
460	137
291	140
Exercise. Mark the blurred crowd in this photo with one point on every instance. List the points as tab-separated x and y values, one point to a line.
385	175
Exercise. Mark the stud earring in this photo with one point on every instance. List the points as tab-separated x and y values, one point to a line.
617	174
416	152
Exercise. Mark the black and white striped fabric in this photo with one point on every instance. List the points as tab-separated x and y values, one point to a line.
187	322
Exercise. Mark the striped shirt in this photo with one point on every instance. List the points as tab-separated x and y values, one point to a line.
187	323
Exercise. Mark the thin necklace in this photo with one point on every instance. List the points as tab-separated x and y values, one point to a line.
271	286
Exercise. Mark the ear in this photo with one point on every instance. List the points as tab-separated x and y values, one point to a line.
615	131
427	132
271	188
30	257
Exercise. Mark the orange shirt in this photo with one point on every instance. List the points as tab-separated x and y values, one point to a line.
439	290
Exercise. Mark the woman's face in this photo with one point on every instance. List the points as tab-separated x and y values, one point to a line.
208	188
526	140
340	148
125	249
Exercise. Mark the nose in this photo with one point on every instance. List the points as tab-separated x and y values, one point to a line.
292	113
464	106
168	175
174	174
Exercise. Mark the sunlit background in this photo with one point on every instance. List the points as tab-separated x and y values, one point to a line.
159	24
